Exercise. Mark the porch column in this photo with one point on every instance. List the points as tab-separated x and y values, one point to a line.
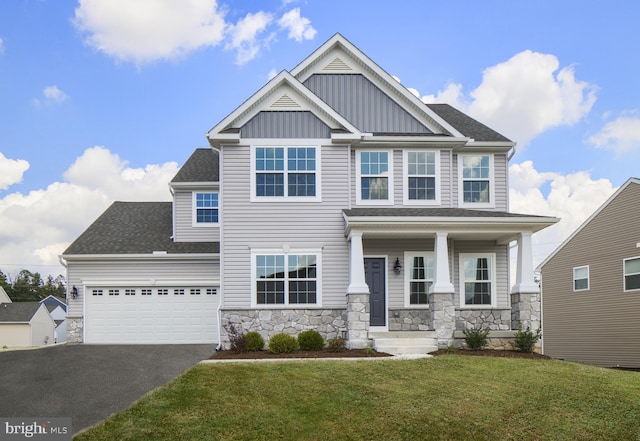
358	318
441	306
525	294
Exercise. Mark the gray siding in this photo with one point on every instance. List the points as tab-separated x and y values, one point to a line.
172	270
598	326
285	124
184	230
297	224
363	104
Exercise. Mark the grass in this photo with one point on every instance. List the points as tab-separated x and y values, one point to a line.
443	398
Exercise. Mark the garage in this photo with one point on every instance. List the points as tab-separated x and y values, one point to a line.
151	315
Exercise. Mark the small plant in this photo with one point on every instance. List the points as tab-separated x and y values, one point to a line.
476	339
254	341
526	340
283	344
336	344
450	348
237	338
369	351
310	340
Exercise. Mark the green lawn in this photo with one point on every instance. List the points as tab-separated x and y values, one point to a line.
448	397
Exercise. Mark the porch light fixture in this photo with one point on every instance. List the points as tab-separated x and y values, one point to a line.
397	268
74	292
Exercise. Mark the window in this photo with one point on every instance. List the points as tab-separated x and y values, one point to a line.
146	292
374	184
477	274
581	278
206	208
632	274
114	292
194	291
96	292
129	292
178	292
289	172
211	291
286	279
163	292
418	277
476	173
421	181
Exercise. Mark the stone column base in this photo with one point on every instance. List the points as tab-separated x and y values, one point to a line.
75	326
357	320
525	310
443	317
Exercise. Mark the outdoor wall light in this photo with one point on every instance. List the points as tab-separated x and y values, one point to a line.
397	268
74	292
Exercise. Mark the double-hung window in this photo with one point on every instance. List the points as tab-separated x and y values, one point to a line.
632	274
477	280
374	183
421	177
286	278
476	183
419	268
285	172
206	208
581	278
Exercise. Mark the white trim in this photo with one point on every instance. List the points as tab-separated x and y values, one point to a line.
194	211
285	144
624	275
388	175
588	278
286	251
148	283
492	257
492	184
408	263
384	328
405	178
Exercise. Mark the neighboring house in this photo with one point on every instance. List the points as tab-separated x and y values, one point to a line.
332	199
58	312
591	287
25	324
4	297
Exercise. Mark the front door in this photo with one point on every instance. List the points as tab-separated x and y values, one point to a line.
374	270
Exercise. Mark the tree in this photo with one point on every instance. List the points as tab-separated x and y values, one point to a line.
30	287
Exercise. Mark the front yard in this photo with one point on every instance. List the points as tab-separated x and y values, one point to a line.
448	397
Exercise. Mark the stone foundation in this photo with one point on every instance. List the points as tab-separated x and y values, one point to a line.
499	340
74	329
409	320
525	309
330	323
494	319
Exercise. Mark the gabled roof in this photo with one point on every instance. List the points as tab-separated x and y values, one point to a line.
466	125
18	312
52	302
202	166
4	297
135	228
630	181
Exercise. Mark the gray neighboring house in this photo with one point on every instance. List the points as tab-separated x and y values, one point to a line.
331	199
591	287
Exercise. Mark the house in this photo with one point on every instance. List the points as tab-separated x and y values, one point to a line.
4	297
332	199
25	324
58	312
591	287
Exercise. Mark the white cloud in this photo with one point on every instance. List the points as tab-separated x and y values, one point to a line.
11	171
524	96
146	30
51	95
299	27
1	46
621	135
244	36
38	226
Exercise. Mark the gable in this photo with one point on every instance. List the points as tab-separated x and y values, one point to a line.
285	124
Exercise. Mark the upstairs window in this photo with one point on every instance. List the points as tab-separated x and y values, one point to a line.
581	278
418	277
632	274
206	208
476	187
285	172
477	274
420	177
374	180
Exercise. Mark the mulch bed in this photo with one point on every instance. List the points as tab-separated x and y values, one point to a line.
363	353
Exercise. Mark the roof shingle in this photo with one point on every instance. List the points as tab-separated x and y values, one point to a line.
467	125
202	166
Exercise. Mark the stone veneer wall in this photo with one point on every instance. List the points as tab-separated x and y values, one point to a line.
330	323
525	309
494	319
74	329
409	320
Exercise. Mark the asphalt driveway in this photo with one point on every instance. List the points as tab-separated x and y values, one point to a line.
88	382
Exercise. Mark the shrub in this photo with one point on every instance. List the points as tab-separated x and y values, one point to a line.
526	340
310	340
336	344
476	339
237	339
283	344
255	342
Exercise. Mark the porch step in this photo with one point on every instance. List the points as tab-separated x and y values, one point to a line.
404	342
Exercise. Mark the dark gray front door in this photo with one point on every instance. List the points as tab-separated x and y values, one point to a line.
374	270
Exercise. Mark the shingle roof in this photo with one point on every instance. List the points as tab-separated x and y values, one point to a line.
467	125
135	228
202	166
429	212
18	311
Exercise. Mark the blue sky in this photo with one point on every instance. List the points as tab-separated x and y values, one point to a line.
104	100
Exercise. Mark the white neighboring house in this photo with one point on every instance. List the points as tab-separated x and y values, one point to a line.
4	297
24	324
58	312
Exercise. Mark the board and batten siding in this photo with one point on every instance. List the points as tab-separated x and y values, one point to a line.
250	225
600	325
285	124
140	274
183	221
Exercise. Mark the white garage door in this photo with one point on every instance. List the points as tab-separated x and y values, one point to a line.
151	315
